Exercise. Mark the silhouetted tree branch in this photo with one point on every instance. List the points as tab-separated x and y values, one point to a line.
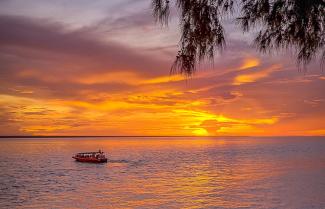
298	24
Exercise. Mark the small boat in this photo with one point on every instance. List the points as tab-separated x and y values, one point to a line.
91	157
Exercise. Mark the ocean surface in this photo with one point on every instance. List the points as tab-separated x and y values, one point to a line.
233	172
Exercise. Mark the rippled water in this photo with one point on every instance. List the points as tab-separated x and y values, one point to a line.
164	173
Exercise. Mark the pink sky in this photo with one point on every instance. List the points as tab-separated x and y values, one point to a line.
103	68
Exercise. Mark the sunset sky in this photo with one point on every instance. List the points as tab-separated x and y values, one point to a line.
103	68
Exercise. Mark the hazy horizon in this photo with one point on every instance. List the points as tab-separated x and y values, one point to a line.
154	136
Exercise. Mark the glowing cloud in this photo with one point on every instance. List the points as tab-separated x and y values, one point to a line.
249	63
254	76
105	74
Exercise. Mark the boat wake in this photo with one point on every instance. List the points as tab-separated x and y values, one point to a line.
128	162
119	161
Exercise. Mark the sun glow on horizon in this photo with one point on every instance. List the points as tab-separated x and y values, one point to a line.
111	76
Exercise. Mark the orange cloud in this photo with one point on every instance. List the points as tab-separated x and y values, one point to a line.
127	77
249	63
254	76
64	82
318	132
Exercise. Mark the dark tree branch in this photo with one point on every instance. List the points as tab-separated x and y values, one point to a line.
298	24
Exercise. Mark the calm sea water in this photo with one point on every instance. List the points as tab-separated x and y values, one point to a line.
164	173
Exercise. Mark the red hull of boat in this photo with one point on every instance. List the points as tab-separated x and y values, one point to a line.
90	160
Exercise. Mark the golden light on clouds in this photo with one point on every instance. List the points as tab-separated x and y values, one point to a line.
249	63
200	132
77	82
139	117
165	79
254	76
127	77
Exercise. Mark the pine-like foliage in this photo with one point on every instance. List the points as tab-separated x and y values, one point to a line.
297	24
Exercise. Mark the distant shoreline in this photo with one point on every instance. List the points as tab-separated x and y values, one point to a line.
110	136
120	136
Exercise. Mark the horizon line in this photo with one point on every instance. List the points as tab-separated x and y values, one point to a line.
138	136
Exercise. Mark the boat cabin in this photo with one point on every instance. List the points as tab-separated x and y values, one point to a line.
92	157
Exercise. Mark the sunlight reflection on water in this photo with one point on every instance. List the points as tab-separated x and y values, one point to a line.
164	173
